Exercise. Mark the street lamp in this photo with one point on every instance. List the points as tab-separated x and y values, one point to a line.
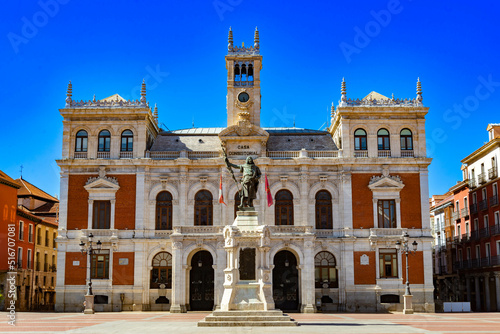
89	250
404	247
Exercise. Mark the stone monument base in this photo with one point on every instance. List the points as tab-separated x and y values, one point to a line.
247	319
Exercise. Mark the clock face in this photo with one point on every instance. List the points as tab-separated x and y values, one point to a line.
243	97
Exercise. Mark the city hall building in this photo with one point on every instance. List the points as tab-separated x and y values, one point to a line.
342	199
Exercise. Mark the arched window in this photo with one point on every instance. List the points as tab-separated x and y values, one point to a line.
243	72
324	218
237	76
104	141
164	211
127	141
162	271
383	140
325	268
237	200
360	140
283	208
203	208
406	139
81	141
250	72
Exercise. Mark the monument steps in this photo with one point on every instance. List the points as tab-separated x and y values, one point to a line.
247	319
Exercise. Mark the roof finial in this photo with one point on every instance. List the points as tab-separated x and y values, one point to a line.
419	91
256	40
156	113
143	92
332	111
69	94
343	99
230	40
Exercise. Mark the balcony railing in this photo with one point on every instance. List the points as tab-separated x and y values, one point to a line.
455	215
407	154
495	230
361	154
484	232
464	212
103	155
472	183
80	155
473	208
126	155
384	154
465	237
481	178
493	173
474	235
243	83
494	200
323	154
163	155
283	154
483	205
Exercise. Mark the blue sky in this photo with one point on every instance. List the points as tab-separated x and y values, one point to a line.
108	47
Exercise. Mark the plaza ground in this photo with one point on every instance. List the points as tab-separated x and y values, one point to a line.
162	322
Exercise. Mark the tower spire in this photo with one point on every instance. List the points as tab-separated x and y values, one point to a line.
256	39
343	99
143	92
156	113
69	94
419	91
230	40
332	111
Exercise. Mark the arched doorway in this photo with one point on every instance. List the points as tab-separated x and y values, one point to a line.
286	281
201	282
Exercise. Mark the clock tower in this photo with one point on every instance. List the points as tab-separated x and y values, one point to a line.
243	66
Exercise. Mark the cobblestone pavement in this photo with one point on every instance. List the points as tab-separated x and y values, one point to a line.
162	322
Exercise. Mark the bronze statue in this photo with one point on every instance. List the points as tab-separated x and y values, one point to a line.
249	181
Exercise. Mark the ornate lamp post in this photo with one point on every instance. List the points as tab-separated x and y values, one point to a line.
89	250
404	247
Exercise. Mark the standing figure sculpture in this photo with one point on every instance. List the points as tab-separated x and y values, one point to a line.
249	182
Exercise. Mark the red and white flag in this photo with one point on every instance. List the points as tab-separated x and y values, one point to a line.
221	196
268	193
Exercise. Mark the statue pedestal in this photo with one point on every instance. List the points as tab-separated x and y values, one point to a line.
248	295
247	283
408	304
89	304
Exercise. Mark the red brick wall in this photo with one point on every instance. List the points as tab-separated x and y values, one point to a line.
123	274
416	268
366	274
362	201
75	275
78	202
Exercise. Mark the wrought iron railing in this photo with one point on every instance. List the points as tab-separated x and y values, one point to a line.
493	173
483	205
481	178
472	183
494	200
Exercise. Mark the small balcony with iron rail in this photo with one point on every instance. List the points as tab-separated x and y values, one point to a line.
495	230
483	205
455	215
472	183
494	200
464	212
481	178
473	208
492	173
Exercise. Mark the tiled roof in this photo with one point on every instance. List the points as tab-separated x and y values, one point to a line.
6	179
49	207
375	96
28	189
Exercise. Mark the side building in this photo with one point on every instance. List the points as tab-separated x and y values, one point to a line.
343	199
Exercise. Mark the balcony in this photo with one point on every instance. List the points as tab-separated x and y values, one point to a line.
495	230
472	183
384	154
484	232
494	200
481	178
473	208
103	155
80	155
465	237
455	215
464	212
495	260
474	235
361	154
126	155
37	266
492	173
407	154
483	205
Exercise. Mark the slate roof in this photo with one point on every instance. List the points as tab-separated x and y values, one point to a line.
280	139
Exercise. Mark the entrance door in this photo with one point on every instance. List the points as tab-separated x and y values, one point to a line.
201	288
286	281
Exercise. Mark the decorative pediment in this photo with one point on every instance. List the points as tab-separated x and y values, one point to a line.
388	182
102	182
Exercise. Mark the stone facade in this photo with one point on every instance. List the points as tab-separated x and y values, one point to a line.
328	260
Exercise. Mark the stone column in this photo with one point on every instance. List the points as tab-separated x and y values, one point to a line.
303	197
178	305
307	279
497	284
478	295
183	197
487	292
